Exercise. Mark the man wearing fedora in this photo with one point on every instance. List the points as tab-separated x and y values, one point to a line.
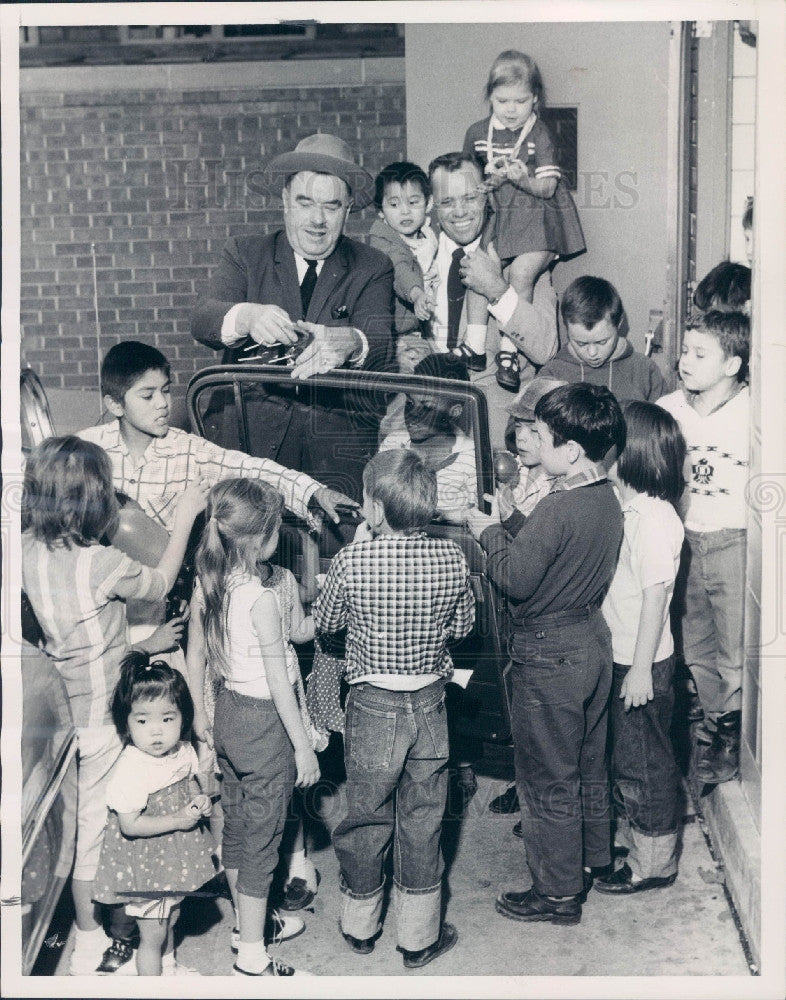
306	284
308	278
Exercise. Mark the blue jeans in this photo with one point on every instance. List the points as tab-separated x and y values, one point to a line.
712	626
396	753
560	681
257	763
644	773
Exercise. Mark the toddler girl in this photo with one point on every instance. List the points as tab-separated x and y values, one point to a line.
535	217
78	589
155	848
261	743
648	474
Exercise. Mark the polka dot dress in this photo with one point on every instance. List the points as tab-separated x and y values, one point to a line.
168	864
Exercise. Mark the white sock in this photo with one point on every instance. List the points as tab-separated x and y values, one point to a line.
301	866
252	957
475	338
94	940
168	961
506	344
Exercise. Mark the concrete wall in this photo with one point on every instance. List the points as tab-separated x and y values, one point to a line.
617	75
157	166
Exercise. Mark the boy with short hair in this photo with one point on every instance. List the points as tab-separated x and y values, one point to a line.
402	597
402	195
713	410
555	573
597	352
727	288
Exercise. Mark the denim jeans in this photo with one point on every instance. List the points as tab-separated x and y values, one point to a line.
644	773
712	626
396	753
257	762
560	681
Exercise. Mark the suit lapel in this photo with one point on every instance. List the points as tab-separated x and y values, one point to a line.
287	276
333	270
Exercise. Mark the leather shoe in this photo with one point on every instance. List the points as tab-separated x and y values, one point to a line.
297	894
621	883
474	361
508	372
508	802
448	935
363	946
517	830
589	876
118	959
531	905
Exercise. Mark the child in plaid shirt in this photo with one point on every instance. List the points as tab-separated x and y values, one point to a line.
402	597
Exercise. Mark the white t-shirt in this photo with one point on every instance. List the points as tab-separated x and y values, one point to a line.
457	484
716	466
649	554
137	775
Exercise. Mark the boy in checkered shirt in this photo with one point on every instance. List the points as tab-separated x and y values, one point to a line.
402	596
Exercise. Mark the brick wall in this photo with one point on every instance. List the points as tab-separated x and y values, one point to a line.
157	180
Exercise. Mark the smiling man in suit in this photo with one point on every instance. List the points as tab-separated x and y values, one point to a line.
306	283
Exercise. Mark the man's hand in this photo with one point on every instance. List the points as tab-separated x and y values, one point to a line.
329	499
265	324
481	271
330	348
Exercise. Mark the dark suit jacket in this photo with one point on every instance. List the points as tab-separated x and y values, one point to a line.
354	288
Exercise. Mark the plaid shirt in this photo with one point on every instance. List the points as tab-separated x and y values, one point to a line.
402	598
595	474
172	462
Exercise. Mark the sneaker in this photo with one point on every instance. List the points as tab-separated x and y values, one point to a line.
118	959
273	968
278	927
176	969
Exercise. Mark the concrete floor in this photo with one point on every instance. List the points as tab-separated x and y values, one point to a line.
685	930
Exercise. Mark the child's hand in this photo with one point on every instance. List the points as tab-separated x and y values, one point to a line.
422	304
636	688
165	638
193	499
200	805
187	817
514	170
202	728
505	502
307	768
491	183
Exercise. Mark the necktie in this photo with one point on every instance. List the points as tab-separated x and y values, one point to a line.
456	290
307	285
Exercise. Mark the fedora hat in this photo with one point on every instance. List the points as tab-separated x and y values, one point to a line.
325	154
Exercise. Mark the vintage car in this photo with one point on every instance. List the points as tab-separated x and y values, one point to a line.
340	420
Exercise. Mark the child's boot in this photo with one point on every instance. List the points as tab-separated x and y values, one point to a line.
720	761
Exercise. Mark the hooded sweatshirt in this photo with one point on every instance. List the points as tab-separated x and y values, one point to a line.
628	374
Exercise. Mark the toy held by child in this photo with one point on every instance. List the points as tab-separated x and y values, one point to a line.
78	588
648	475
713	410
402	596
156	850
597	352
535	216
261	743
402	195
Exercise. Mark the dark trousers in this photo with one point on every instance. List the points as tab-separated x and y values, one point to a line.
560	681
643	769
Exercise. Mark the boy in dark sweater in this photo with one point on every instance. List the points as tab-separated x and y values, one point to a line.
596	351
555	573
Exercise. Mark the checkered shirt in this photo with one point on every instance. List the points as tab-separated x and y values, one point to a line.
172	462
587	477
402	598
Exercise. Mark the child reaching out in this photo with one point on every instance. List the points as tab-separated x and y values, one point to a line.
648	475
536	219
262	747
155	849
78	589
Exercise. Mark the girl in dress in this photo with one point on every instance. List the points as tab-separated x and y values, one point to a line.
648	475
535	217
155	848
259	731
